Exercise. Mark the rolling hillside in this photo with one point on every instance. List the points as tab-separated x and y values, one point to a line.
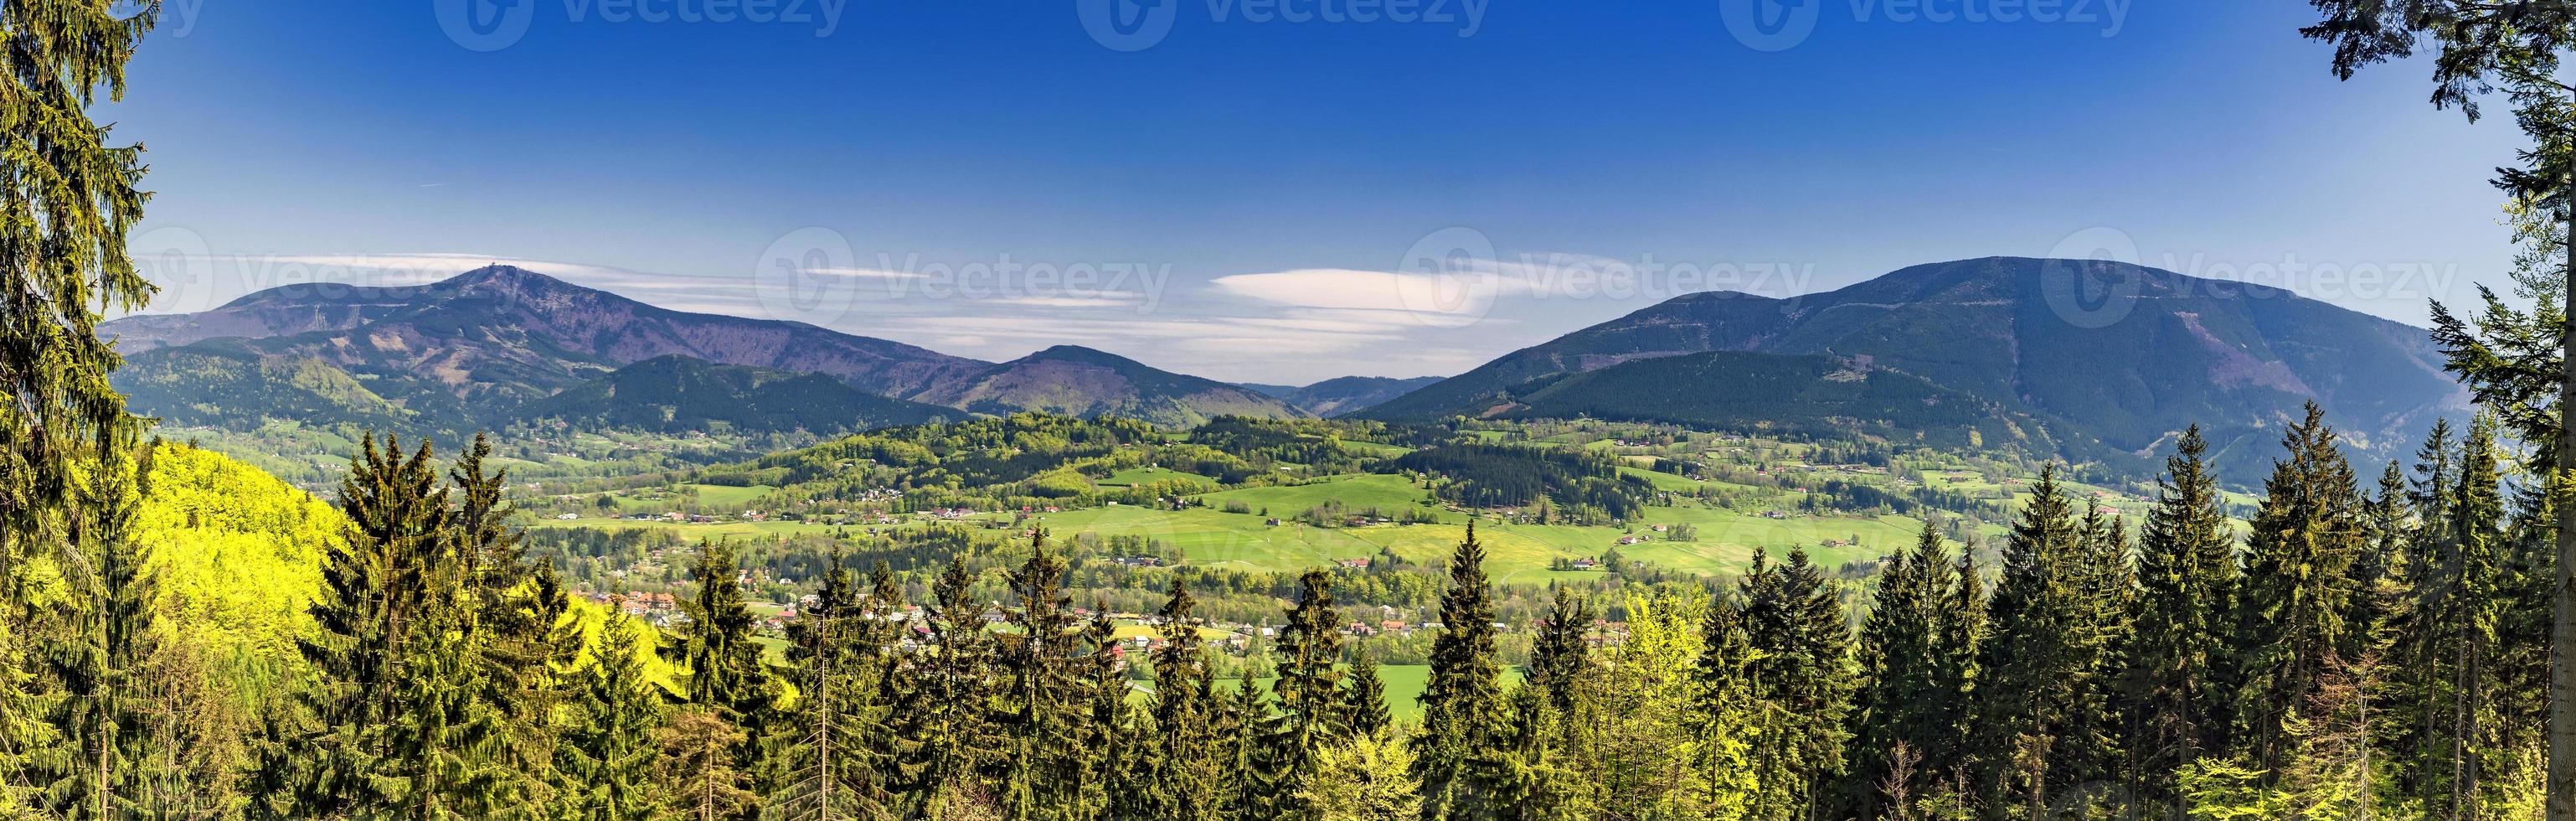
1078	381
2164	352
502	345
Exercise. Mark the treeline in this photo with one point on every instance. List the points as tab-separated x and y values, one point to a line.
1582	485
2361	651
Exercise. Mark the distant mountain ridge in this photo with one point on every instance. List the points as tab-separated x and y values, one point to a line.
1078	381
1342	396
2163	351
476	349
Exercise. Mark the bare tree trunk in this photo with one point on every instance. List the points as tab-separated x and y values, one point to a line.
2562	633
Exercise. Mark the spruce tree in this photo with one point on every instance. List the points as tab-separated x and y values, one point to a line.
1897	659
1801	669
1311	713
2455	632
1462	705
2174	685
1039	712
700	767
2297	586
608	753
716	646
1560	656
2036	664
833	764
1249	718
1185	772
329	754
1115	772
72	198
105	702
1365	701
946	716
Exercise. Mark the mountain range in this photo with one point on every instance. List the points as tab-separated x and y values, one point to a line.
2082	360
2103	357
502	345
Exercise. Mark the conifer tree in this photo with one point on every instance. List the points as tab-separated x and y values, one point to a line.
72	197
104	701
1462	705
1311	713
1249	718
947	712
2035	665
330	755
2455	631
1366	699
1560	656
1734	764
2174	687
1897	653
834	764
716	646
2297	586
609	757
1040	711
1185	772
699	765
1800	668
1114	736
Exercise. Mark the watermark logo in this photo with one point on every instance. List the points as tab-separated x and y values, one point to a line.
1770	25
1449	278
1136	25
1780	25
2084	291
493	25
806	274
485	25
1127	25
175	260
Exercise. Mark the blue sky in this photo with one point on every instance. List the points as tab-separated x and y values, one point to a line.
1250	197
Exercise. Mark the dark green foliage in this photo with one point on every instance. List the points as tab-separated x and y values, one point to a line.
1801	670
609	760
107	762
1815	395
716	646
1312	712
1186	775
836	762
1463	714
2177	678
1505	476
1906	729
2297	587
2042	661
1365	699
945	720
1559	659
1041	708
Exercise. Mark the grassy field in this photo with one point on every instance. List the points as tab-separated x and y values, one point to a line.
1725	541
1517	553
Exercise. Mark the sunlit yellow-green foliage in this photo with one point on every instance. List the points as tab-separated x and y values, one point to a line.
596	618
240	558
239	554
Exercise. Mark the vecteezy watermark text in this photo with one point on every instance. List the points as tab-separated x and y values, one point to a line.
1136	25
492	25
1779	25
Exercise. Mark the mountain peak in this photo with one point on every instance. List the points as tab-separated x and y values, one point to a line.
507	276
1077	353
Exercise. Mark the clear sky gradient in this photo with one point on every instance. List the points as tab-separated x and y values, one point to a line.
1249	197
